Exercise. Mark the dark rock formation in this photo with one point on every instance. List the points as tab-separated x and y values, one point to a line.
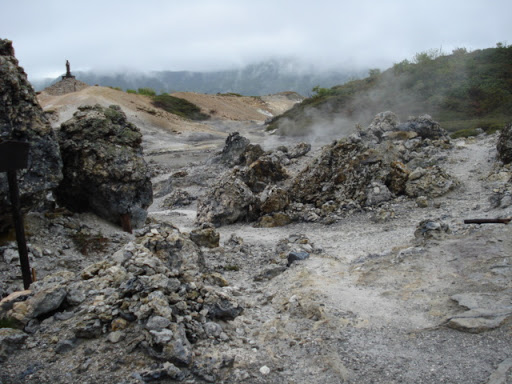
504	145
343	171
366	169
298	150
22	119
104	170
178	198
264	171
239	151
233	149
431	229
424	126
229	201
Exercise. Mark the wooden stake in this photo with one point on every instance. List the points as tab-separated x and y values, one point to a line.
20	230
487	221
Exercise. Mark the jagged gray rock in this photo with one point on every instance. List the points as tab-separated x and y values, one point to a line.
229	201
151	292
298	150
504	145
382	122
430	182
484	311
238	150
104	170
22	119
431	229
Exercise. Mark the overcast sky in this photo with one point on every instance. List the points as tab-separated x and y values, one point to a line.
150	35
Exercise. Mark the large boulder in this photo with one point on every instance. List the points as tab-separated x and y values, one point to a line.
430	182
104	170
238	150
504	145
22	119
229	201
424	126
264	171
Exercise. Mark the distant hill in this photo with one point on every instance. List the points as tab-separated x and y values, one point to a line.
463	91
260	79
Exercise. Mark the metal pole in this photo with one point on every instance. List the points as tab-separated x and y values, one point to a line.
20	230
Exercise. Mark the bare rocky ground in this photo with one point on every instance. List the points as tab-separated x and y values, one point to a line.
376	301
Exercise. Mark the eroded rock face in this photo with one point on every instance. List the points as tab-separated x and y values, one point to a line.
504	145
104	171
22	119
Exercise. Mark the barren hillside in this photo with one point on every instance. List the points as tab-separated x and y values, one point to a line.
165	131
399	292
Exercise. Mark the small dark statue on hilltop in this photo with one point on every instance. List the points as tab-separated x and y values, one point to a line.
68	74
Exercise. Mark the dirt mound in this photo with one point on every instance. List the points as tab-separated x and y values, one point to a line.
66	85
238	108
138	108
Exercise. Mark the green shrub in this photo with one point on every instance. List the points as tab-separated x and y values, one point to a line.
146	91
467	132
10	323
131	91
180	107
229	94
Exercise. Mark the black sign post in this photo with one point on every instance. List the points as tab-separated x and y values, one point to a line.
14	156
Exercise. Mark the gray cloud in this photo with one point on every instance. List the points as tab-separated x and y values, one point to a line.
208	35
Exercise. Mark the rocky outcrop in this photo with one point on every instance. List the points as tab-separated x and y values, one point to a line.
387	126
343	171
151	294
365	170
104	170
504	145
483	312
236	196
371	168
22	119
66	85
